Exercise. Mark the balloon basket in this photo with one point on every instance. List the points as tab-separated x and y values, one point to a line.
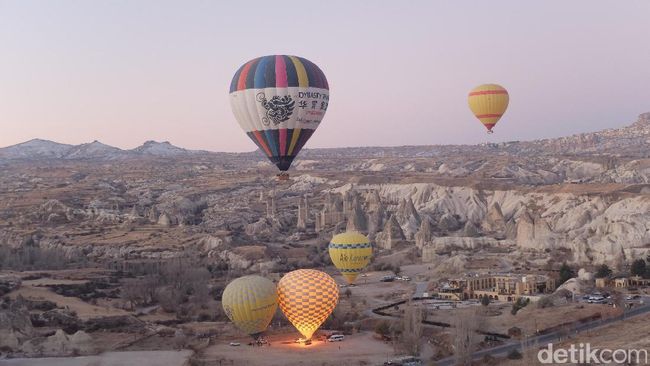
283	176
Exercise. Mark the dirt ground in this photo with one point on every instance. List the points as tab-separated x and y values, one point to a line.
83	309
147	358
629	334
530	318
357	349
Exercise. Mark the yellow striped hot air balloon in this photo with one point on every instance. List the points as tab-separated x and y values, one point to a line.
250	302
307	297
488	102
350	253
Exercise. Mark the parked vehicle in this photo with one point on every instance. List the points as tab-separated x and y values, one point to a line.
235	344
404	361
336	338
388	279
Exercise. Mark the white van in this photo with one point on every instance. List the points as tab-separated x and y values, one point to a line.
336	338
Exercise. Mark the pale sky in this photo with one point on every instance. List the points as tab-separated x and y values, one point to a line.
123	72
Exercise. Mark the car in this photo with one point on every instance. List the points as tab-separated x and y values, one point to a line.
336	338
388	279
235	344
405	278
364	275
404	361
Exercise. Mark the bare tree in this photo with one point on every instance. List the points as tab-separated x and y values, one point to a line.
529	348
131	292
465	338
412	329
183	279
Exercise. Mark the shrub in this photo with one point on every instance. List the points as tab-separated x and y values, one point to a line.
519	304
514	355
603	271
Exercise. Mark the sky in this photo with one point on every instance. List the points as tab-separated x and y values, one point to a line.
123	72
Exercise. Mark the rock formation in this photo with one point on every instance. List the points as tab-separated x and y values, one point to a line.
424	234
357	218
534	233
303	213
15	326
494	223
391	235
408	217
448	223
332	212
270	205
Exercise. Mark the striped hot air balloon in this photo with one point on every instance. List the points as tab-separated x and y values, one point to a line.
250	302
279	101
488	102
307	297
350	252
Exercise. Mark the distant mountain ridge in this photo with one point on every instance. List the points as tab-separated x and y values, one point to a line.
45	149
631	141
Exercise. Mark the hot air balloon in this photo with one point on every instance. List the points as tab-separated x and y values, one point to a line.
307	297
279	101
488	102
350	253
250	302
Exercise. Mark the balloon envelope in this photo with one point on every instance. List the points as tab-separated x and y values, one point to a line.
488	102
279	101
250	303
350	253
307	297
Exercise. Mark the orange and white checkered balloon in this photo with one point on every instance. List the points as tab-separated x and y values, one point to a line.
307	297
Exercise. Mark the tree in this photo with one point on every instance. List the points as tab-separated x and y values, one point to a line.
515	355
519	304
603	271
566	273
464	336
348	292
485	301
382	328
412	329
131	292
638	268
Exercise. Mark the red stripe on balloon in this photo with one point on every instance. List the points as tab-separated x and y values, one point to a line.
283	141
260	139
241	84
280	73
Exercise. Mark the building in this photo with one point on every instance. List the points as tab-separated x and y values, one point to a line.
502	287
623	282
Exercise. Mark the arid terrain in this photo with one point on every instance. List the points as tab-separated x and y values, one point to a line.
105	251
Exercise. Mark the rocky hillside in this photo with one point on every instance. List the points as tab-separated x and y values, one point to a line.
629	141
38	149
